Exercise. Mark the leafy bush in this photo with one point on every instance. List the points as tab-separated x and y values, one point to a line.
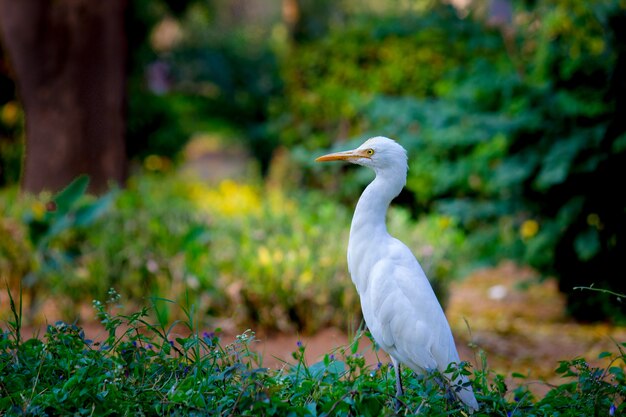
244	251
513	137
141	367
518	160
155	124
328	80
229	67
279	258
34	256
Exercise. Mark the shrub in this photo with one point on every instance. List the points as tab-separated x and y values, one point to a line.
141	367
276	259
326	81
512	139
518	159
229	69
250	252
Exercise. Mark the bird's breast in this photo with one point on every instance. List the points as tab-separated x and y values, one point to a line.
361	259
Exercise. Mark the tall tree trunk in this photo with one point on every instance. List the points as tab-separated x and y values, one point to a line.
69	58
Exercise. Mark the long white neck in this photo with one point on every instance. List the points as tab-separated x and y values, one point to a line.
372	206
368	224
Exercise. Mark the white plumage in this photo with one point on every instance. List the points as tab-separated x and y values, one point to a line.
399	305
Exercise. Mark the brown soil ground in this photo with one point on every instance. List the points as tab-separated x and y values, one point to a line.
521	325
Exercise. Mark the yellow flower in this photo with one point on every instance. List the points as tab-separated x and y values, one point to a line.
306	277
278	256
529	229
229	199
264	256
444	222
9	113
39	210
594	220
155	163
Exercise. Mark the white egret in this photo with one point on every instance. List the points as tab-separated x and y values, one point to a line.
398	302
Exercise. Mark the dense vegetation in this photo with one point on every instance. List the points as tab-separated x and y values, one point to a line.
142	368
248	252
511	129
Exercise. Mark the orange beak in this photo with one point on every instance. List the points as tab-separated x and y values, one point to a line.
344	156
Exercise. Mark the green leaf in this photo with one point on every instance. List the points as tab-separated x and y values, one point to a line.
317	370
66	198
58	226
86	215
619	144
336	367
197	234
555	168
312	408
587	244
514	170
617	371
576	152
355	346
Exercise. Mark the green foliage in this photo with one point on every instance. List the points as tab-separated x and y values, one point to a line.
284	259
230	68
143	368
49	245
236	250
64	212
327	81
153	124
514	135
542	145
149	243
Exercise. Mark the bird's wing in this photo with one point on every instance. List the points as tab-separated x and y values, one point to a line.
403	313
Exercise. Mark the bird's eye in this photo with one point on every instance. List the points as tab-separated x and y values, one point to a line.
370	152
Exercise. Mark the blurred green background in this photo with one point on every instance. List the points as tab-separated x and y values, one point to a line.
513	113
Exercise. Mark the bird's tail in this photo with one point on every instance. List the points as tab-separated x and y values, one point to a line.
464	392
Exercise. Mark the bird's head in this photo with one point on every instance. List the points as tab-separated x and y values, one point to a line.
379	153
